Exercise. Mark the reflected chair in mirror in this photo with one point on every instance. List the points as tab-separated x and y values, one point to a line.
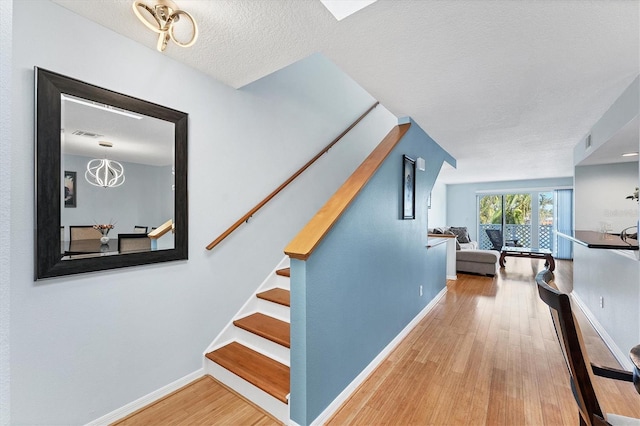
137	229
497	241
87	232
581	370
131	243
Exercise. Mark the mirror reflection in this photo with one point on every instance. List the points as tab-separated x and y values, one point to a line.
118	180
111	179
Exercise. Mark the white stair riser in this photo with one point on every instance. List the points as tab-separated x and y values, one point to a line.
282	282
254	394
274	310
276	280
265	346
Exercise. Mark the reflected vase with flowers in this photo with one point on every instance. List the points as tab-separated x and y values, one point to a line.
104	230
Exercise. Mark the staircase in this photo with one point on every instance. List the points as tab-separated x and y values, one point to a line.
251	355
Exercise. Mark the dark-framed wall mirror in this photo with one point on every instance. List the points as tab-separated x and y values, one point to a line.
111	179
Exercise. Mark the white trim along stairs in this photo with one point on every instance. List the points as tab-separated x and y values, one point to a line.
257	338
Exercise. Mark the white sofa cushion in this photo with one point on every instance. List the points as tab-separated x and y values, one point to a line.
471	245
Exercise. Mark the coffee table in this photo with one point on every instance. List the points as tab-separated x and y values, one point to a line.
535	253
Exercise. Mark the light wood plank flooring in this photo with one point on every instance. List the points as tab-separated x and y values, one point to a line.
202	402
487	354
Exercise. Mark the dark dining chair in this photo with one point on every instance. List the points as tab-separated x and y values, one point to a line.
84	232
140	229
497	241
136	242
581	370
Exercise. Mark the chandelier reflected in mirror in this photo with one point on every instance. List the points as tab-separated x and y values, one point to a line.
162	18
104	172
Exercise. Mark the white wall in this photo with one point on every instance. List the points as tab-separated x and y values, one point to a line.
600	196
85	345
6	49
437	214
614	277
600	199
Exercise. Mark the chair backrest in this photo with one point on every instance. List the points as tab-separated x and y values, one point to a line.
140	229
495	236
634	354
84	232
573	350
136	242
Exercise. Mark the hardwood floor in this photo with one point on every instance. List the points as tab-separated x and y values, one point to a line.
487	354
202	402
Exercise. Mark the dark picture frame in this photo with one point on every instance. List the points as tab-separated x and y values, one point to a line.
70	189
408	188
49	262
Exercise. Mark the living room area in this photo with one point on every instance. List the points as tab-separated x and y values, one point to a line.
525	213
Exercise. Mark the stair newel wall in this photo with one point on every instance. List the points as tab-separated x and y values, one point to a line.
359	288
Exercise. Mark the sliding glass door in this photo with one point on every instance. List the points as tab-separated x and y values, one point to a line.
530	218
517	218
563	216
546	213
489	217
509	213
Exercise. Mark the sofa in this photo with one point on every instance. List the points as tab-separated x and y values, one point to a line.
470	258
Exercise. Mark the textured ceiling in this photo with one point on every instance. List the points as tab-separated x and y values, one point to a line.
507	87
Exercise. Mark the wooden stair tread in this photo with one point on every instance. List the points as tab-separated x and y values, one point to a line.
259	370
285	272
276	295
267	327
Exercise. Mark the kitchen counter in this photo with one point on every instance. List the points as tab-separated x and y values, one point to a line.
599	240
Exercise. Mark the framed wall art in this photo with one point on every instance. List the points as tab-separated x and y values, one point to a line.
70	192
408	188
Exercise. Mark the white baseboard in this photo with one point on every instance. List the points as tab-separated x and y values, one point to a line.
452	277
620	356
346	393
146	400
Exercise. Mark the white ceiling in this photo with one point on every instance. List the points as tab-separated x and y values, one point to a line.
146	140
507	87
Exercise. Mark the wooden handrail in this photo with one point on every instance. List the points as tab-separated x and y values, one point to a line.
161	230
258	206
308	239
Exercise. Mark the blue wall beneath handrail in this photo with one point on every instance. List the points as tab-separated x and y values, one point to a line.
361	286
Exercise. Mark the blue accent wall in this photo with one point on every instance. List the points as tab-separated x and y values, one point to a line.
361	286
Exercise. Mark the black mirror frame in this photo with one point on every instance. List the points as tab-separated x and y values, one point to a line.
48	258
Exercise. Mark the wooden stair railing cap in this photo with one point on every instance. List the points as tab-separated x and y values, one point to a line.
310	236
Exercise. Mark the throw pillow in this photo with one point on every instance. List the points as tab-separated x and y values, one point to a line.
462	233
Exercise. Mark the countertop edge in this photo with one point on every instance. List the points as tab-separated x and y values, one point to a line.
632	252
